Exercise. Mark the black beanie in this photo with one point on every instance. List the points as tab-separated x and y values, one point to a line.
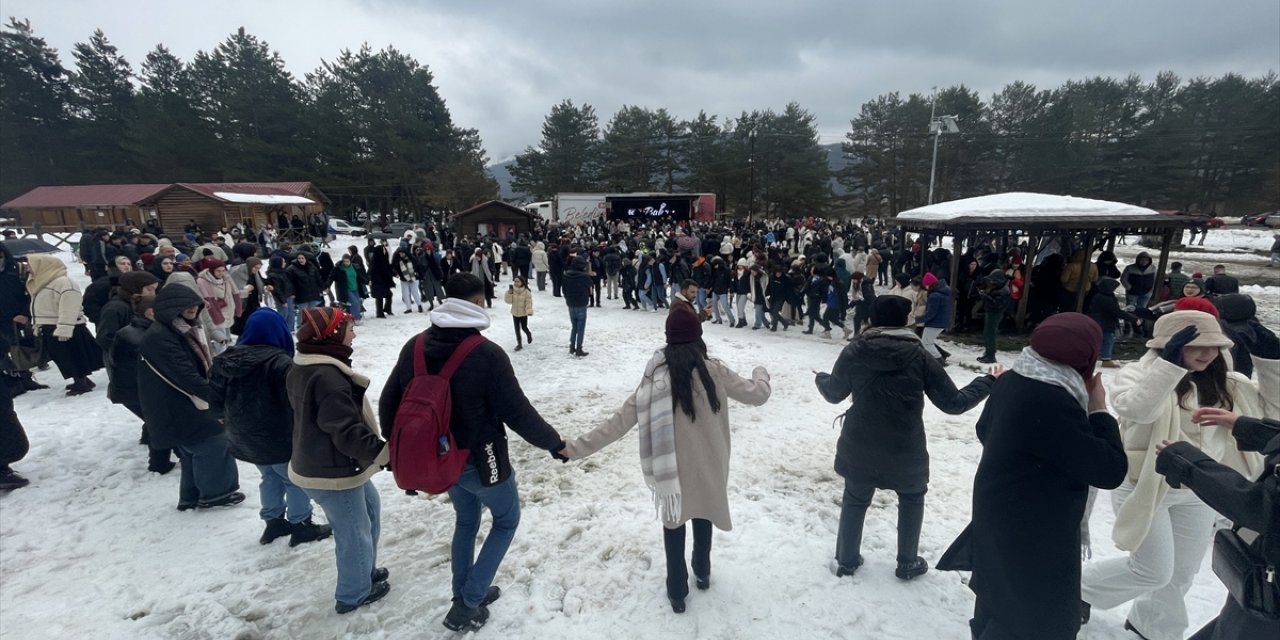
890	311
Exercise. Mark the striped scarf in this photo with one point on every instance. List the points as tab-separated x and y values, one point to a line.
656	418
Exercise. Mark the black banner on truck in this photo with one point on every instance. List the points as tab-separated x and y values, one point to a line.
677	208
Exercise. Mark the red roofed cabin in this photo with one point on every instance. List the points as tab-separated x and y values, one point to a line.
211	204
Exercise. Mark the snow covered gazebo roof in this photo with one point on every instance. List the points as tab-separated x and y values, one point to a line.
1035	212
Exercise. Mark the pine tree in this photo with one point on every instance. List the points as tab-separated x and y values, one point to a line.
102	103
567	158
35	121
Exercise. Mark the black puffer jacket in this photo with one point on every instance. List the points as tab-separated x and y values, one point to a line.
1105	309
486	395
171	379
249	395
306	281
520	256
888	374
576	284
97	295
122	364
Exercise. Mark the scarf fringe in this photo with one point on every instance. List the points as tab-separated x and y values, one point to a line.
667	506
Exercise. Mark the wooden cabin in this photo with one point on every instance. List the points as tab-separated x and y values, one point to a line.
494	217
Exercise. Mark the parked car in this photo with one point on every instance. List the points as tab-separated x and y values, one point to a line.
397	229
1264	219
338	225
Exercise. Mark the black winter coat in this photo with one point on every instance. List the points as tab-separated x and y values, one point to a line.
380	276
249	395
888	373
1105	309
1252	505
306	282
576	287
122	364
1041	453
486	395
720	280
115	315
173	378
519	256
97	295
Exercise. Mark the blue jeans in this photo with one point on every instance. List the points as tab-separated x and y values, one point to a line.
208	471
1137	302
353	302
355	515
577	327
290	313
1108	343
700	300
299	306
473	575
721	300
278	493
761	320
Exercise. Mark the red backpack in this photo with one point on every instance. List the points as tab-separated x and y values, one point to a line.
424	456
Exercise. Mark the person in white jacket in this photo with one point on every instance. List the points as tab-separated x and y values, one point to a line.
1167	531
56	314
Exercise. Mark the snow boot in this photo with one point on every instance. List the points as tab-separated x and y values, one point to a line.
491	596
419	308
380	574
742	322
842	571
987	359
581	354
80	386
308	531
233	498
519	348
677	604
911	569
825	335
461	617
847	332
276	528
807	333
10	480
379	590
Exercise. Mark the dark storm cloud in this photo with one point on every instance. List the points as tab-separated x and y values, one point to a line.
502	65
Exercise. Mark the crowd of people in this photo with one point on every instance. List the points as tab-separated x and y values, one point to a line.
243	352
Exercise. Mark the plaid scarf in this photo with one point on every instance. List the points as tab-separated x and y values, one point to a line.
655	415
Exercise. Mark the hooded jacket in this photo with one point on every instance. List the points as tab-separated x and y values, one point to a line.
248	385
937	310
176	402
55	300
1240	323
1139	279
575	284
122	364
485	392
888	374
1105	309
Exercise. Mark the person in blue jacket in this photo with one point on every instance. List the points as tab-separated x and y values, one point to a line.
937	314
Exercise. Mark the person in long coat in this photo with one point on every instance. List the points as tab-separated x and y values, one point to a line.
1046	438
882	441
56	313
381	281
682	409
122	365
174	371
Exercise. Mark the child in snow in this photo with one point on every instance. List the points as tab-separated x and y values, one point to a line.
521	301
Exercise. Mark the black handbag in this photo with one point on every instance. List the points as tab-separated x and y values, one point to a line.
27	350
1251	581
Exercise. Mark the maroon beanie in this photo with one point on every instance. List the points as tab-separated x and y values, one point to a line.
683	327
1073	339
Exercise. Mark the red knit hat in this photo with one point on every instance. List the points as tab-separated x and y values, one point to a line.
1196	304
322	324
928	280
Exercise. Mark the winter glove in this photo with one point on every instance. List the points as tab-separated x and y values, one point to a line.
555	452
63	332
1172	351
1265	345
1176	460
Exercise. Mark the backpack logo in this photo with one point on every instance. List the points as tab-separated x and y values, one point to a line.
424	455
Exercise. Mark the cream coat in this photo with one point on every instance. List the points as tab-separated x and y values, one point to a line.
57	301
521	301
1144	400
702	446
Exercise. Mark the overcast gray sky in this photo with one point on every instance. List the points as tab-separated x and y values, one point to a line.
502	65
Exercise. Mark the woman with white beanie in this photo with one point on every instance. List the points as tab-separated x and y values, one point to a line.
1167	531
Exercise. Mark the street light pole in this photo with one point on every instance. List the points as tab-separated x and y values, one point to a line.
751	183
937	133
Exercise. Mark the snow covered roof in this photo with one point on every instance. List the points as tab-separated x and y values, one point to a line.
1026	210
258	198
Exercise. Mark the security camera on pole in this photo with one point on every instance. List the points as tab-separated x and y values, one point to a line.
938	125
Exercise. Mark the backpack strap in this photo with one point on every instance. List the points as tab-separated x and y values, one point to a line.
420	363
459	354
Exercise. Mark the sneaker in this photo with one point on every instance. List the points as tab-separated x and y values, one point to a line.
842	570
461	617
987	359
491	596
233	498
379	590
911	569
10	480
308	531
519	348
581	353
276	528
1110	364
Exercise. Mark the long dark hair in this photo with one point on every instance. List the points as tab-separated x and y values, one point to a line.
1210	384
682	360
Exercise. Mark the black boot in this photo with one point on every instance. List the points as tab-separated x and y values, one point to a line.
461	617
233	498
308	531
80	386
10	480
159	462
379	590
843	570
910	569
677	570
276	528
701	561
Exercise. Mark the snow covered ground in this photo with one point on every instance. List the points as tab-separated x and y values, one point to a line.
95	548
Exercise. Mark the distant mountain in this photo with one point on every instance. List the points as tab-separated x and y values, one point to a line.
502	172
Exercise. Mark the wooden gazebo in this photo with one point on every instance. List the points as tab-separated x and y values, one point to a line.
1036	216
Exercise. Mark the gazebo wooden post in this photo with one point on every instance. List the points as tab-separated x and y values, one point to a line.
1084	272
955	275
1166	241
1111	240
1033	248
